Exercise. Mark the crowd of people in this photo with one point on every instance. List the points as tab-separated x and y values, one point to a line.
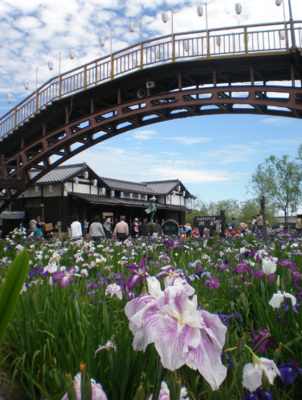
98	230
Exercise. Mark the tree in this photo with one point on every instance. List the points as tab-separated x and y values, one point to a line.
279	180
250	208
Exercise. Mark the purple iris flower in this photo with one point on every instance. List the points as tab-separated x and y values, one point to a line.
226	318
259	394
296	277
259	274
263	340
138	274
243	267
289	371
65	276
170	274
258	258
117	276
288	264
168	243
182	333
213	283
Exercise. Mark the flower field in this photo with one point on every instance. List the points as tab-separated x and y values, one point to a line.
157	318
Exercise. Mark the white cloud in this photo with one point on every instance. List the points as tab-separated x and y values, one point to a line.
187	175
276	121
230	155
144	135
188	141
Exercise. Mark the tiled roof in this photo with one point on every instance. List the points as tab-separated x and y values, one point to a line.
127	186
66	172
166	187
163	187
97	199
60	174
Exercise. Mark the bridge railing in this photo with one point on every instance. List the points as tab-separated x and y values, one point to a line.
227	42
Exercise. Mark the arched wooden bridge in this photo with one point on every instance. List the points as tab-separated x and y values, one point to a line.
253	69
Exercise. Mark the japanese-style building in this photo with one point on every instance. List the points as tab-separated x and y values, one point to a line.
77	190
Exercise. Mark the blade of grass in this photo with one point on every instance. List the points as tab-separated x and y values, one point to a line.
11	289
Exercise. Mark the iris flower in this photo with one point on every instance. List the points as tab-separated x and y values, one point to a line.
262	340
269	265
138	273
114	289
170	274
253	372
182	333
164	393
97	392
259	394
279	297
289	371
108	346
66	277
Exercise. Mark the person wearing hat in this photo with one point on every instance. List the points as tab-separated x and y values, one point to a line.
188	229
181	229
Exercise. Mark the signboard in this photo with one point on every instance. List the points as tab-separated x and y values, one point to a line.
170	227
205	221
12	215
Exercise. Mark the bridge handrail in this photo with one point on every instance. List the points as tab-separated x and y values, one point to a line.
214	43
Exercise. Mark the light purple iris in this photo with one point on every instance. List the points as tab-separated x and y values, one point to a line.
170	274
66	277
97	392
182	333
138	273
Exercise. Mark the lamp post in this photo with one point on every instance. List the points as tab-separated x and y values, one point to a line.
164	18
102	43
291	21
200	14
131	29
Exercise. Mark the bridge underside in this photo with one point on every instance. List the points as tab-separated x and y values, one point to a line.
243	85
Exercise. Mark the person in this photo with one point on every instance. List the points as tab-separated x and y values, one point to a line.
107	227
233	224
299	225
96	231
206	233
243	228
259	223
180	230
254	224
135	227
121	230
35	226
217	224
188	229
76	229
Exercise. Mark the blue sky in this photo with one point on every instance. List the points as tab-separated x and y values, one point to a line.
214	156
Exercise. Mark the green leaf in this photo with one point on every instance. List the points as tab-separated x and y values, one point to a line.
60	395
11	289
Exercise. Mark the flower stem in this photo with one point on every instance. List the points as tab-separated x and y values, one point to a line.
160	373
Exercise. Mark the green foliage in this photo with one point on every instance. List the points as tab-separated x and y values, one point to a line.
11	289
279	180
55	331
243	211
